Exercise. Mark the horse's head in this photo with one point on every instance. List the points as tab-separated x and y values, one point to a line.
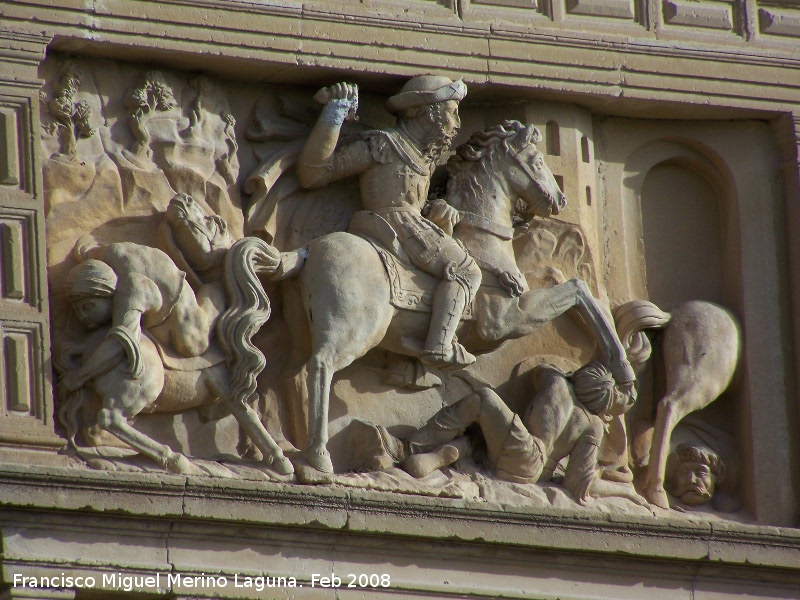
202	240
506	156
528	175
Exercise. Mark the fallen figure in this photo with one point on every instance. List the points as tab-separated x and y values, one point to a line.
565	418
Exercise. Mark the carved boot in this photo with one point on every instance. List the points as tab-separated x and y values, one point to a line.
443	427
422	465
441	349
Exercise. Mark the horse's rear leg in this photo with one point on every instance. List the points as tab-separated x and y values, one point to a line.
320	375
251	423
669	412
114	421
334	355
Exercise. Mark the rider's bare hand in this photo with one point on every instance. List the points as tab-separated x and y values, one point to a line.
444	215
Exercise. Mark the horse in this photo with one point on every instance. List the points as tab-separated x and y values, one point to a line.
701	346
162	383
344	290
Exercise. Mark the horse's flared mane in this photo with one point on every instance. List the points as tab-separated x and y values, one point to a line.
474	162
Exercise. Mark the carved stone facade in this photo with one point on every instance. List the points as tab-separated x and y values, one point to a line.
436	297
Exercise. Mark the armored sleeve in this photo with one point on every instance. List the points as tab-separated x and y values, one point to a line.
348	160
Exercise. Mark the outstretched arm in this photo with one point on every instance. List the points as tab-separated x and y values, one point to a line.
105	357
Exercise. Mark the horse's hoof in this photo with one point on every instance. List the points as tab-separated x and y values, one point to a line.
180	465
318	459
308	475
658	497
282	465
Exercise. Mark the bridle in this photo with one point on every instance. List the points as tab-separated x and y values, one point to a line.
504	232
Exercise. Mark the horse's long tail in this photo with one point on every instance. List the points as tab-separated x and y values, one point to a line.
71	402
631	319
248	309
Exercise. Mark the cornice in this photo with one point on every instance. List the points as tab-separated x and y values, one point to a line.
296	35
65	491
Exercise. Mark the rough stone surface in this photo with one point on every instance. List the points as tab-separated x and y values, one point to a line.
203	374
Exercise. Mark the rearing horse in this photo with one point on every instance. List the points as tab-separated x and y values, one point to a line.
345	291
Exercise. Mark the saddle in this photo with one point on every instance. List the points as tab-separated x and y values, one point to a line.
410	288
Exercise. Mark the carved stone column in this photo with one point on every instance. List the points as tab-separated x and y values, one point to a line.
26	398
787	131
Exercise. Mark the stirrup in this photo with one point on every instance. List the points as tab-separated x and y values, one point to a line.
455	358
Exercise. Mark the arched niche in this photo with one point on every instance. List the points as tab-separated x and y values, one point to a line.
682	235
680	203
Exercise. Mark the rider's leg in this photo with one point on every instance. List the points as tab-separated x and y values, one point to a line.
441	350
461	280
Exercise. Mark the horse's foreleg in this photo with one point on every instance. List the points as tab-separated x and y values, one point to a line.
114	421
602	324
667	416
537	307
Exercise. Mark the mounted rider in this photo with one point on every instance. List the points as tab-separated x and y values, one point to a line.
394	166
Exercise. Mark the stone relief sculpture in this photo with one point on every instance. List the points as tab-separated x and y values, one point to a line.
344	273
700	346
172	305
72	117
152	313
702	466
564	419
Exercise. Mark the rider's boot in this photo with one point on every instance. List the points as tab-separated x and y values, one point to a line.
441	349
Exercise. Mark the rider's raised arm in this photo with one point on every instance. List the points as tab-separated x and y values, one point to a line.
320	160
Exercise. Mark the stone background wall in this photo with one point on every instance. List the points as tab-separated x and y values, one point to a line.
662	119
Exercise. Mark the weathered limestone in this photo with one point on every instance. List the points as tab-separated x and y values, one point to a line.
173	208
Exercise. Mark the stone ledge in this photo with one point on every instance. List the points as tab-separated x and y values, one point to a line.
224	502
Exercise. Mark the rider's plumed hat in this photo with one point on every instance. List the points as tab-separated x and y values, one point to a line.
424	90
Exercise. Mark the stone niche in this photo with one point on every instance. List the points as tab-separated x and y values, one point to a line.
681	215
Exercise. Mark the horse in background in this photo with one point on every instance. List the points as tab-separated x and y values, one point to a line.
701	346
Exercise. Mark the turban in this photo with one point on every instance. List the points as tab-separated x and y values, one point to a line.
91	278
593	385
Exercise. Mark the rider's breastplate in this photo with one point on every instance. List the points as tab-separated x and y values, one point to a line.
393	185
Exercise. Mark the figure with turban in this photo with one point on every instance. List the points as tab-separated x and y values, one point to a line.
565	418
132	288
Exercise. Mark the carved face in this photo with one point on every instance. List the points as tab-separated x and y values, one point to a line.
693	483
93	312
448	120
202	240
623	397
